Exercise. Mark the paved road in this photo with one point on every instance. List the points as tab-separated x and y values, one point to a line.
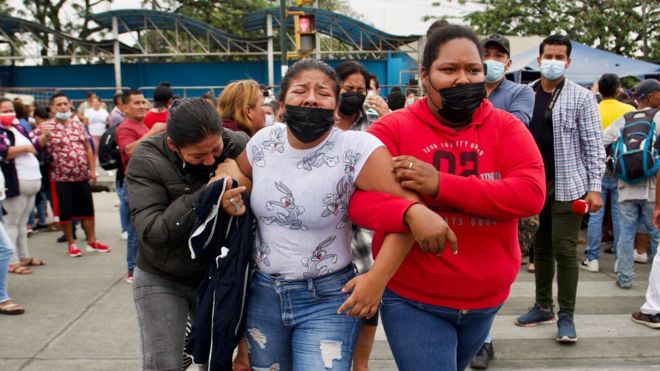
80	316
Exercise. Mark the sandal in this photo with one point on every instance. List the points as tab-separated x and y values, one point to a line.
11	308
32	262
17	268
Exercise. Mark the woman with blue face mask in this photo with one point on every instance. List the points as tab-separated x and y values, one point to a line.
272	111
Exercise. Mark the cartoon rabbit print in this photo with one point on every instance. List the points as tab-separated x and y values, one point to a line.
337	203
287	212
319	157
318	263
274	144
261	250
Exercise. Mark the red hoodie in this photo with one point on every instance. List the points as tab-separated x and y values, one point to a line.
491	173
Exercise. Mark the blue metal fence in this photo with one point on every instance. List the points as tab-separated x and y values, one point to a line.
190	75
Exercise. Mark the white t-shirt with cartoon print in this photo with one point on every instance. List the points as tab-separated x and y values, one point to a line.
300	200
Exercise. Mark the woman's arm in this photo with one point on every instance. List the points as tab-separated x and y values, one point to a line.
517	191
244	164
237	169
427	227
158	219
432	229
14	151
368	288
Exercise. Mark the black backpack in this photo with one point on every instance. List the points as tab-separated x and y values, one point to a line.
109	156
634	154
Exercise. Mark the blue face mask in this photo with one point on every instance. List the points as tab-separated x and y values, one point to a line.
270	120
552	69
63	116
494	70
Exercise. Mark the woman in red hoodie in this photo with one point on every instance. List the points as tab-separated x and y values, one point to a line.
480	169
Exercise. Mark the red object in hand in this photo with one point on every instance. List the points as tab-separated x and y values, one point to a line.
580	207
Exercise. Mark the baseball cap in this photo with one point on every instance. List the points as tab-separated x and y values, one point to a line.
646	87
499	40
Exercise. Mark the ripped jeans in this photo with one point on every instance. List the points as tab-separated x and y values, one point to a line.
294	325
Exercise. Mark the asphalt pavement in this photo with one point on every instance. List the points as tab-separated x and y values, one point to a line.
80	316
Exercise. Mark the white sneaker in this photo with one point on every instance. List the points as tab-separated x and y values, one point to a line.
124	236
590	265
640	258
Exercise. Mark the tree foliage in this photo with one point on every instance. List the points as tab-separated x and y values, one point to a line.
52	14
225	15
618	26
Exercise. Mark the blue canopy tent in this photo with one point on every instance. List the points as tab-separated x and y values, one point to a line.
587	65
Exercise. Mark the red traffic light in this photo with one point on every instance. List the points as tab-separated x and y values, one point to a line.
306	24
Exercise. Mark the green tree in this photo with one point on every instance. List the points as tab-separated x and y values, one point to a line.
51	14
626	27
225	15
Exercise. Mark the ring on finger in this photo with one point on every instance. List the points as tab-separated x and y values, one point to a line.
235	204
410	165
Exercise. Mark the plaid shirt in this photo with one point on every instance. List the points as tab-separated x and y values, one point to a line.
361	242
579	151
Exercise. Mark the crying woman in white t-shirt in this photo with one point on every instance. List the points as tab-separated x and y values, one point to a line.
304	173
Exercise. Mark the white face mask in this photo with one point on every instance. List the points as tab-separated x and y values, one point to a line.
63	116
270	120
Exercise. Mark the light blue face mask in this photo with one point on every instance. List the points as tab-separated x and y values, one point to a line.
552	69
270	119
494	70
63	116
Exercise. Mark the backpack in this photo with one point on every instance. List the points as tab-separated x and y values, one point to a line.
634	155
109	156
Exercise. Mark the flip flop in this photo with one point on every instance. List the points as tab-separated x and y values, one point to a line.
19	269
11	309
32	262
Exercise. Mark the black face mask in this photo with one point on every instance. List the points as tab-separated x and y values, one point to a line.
308	124
199	171
460	102
351	102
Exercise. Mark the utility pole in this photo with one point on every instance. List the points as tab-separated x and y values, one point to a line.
116	54
269	33
318	35
283	20
645	45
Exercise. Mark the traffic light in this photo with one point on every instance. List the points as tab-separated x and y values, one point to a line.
305	31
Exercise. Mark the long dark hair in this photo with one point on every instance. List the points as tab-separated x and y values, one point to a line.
192	121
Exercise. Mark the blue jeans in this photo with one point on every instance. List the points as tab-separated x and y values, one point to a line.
127	225
40	203
124	209
6	251
630	212
429	337
595	230
294	323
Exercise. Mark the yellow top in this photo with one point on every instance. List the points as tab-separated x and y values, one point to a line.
611	109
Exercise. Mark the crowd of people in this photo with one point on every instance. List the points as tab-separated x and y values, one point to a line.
355	207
